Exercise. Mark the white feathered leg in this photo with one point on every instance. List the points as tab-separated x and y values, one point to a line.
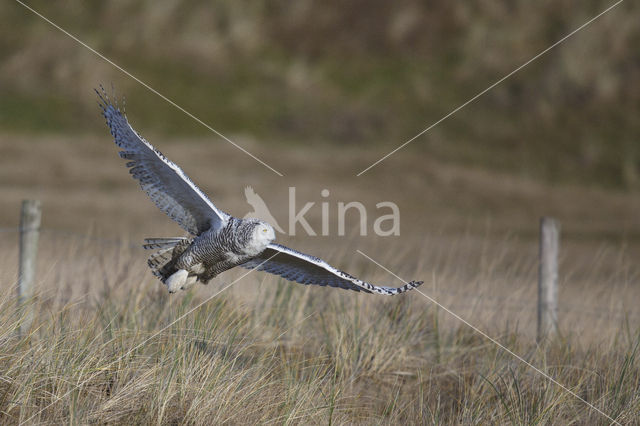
189	282
177	280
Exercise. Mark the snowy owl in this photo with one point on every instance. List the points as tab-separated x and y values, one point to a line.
218	241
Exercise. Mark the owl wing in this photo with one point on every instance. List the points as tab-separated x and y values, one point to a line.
306	269
163	181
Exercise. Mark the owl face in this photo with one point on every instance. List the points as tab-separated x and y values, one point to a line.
263	235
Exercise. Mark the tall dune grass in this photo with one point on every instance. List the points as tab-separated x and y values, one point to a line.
109	345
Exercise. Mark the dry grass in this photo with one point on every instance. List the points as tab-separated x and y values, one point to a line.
108	345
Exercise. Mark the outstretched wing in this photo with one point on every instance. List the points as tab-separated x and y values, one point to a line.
305	269
165	183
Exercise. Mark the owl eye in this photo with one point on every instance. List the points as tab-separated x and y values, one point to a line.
264	229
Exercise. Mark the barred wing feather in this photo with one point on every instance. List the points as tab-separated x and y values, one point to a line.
165	183
305	269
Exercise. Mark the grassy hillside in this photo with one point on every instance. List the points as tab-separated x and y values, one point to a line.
362	73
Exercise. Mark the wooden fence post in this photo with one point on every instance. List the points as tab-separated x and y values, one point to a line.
548	279
30	215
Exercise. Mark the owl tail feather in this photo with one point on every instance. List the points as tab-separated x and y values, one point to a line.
162	261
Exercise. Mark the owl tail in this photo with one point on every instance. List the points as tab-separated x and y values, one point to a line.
162	261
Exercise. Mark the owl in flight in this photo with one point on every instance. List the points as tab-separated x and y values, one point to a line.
217	241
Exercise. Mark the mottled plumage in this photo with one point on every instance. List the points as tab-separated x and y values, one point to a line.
218	241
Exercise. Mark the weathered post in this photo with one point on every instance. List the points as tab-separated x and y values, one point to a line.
30	215
548	278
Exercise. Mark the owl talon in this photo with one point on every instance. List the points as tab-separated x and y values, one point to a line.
176	280
189	282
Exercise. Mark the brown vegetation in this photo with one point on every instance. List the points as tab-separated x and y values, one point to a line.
109	344
104	348
320	90
368	74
